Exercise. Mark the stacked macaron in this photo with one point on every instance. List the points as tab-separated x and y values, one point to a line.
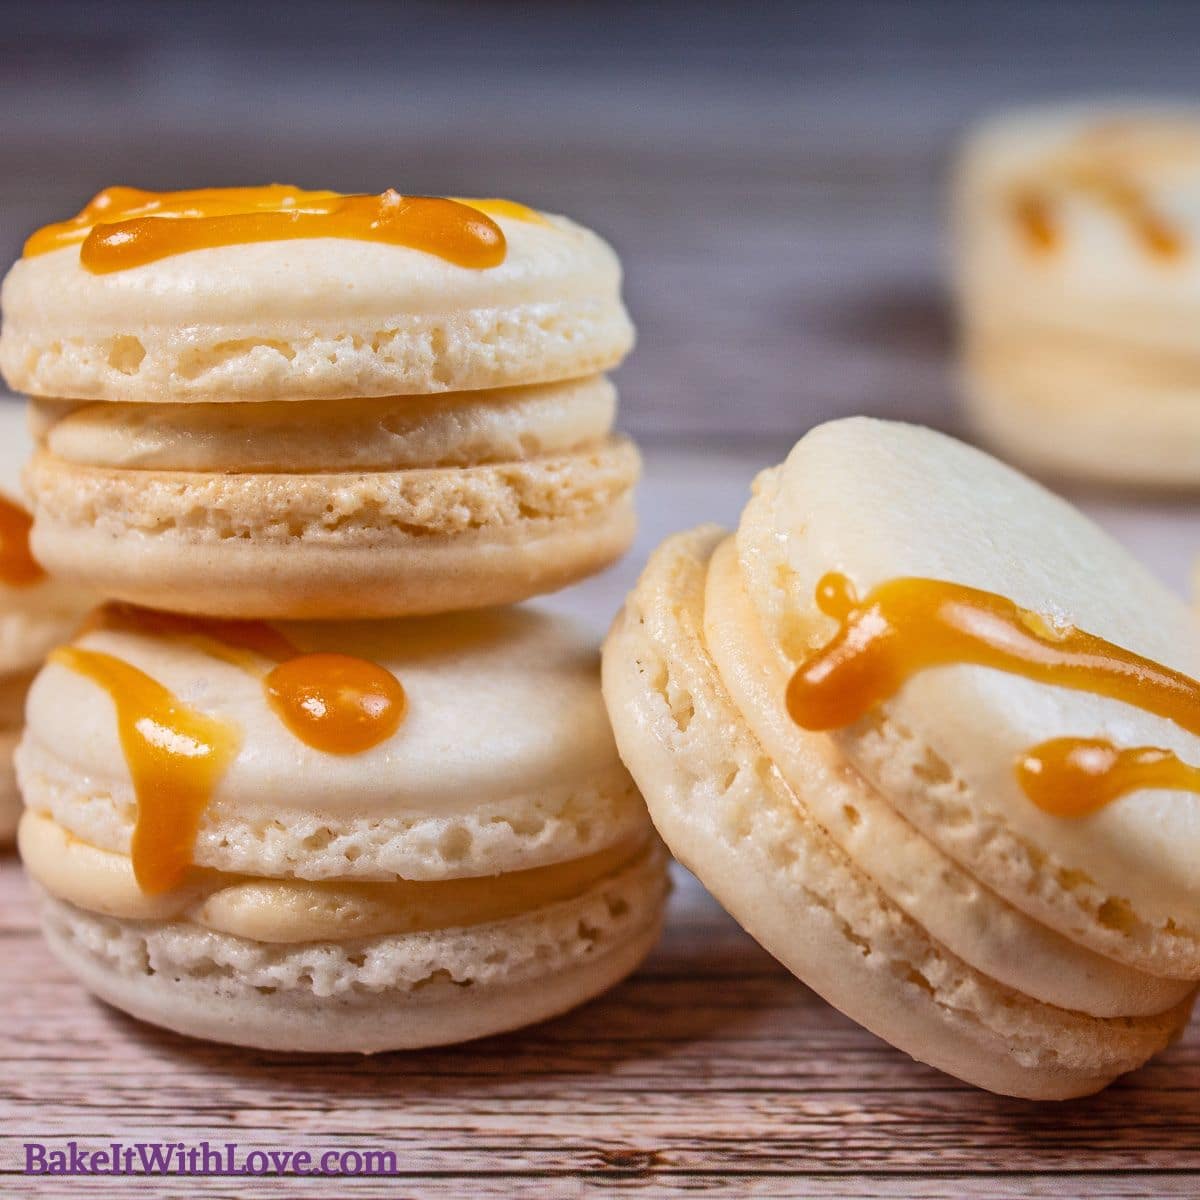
286	791
402	412
934	739
36	612
1078	264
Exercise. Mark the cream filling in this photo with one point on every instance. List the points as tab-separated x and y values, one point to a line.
389	433
291	910
1072	371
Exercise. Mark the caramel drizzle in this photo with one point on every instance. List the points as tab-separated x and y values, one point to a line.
1034	216
125	227
18	567
1075	777
335	703
241	643
1033	212
176	757
908	625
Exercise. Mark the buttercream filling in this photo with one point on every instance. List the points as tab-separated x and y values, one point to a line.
1079	367
389	433
292	910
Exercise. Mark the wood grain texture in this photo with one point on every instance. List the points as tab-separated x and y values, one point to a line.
710	1070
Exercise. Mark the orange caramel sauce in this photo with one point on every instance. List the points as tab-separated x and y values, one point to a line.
18	567
176	756
333	702
1075	777
125	227
237	642
496	207
1033	212
336	703
1035	219
908	625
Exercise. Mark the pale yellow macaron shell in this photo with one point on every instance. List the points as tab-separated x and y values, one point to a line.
314	319
288	911
34	617
1057	400
877	501
505	760
366	994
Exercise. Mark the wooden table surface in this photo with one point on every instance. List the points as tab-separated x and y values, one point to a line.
711	1070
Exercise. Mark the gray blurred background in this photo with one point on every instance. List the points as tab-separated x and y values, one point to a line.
773	174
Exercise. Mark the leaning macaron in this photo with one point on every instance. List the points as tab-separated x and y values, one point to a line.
392	416
1078	271
889	853
457	853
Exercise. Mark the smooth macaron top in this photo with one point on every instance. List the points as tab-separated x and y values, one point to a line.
316	317
501	704
878	501
1099	206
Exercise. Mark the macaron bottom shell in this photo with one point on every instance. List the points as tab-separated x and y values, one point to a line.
397	992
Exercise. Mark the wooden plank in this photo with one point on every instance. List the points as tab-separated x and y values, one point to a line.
711	1065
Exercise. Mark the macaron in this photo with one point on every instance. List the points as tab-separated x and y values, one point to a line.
156	297
36	611
267	403
335	836
1077	247
889	724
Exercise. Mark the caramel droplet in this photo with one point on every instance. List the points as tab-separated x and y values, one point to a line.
176	756
1075	777
336	703
18	567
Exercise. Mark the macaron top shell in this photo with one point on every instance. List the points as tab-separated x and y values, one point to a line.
878	501
315	318
492	700
504	738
